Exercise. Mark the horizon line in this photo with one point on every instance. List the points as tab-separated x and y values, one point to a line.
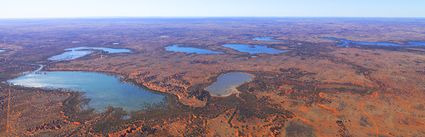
199	17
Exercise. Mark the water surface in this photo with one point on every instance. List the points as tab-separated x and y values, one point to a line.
417	43
70	55
227	83
254	49
78	52
365	43
341	42
190	50
2	50
107	50
267	39
347	43
103	90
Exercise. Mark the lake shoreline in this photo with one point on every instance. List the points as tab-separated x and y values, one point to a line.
121	79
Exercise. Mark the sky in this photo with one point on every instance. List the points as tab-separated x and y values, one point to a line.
210	8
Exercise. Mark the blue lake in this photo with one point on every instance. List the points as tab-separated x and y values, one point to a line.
375	43
107	50
226	84
2	50
70	55
267	39
78	52
190	50
254	49
417	43
347	43
103	90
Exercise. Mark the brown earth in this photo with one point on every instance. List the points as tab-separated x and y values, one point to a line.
315	89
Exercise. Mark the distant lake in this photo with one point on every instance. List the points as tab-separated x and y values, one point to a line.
254	49
103	90
2	50
227	83
78	52
417	43
346	43
190	50
341	42
267	39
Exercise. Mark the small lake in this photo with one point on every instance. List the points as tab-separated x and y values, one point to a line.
2	50
267	39
78	52
254	49
417	43
347	43
103	90
389	44
190	50
227	83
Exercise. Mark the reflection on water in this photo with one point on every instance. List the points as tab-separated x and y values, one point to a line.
254	49
70	55
191	50
103	90
78	52
227	83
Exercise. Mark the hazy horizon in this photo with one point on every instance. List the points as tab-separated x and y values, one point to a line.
211	8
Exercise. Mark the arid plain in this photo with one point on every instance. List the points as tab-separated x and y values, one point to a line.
315	88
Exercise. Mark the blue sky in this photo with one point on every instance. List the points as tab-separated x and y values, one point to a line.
211	8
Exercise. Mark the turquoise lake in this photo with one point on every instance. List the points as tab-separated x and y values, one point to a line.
78	52
254	49
190	50
103	90
227	83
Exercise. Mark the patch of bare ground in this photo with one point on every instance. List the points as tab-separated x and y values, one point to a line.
33	112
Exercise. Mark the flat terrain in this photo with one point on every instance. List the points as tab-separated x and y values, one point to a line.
316	88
